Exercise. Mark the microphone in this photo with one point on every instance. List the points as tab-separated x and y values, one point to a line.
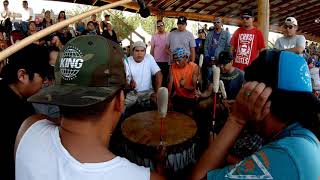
216	78
222	89
143	11
162	101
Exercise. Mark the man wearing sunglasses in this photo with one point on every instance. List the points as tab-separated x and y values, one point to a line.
247	41
291	41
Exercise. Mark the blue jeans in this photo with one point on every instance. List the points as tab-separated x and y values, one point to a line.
24	26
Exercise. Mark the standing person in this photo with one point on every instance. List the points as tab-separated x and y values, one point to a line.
158	50
291	41
109	33
181	38
91	100
200	41
103	24
27	16
277	102
246	42
22	77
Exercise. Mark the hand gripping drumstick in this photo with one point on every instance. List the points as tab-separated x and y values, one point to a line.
162	101
30	39
216	78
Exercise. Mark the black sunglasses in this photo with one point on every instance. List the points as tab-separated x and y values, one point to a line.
160	25
286	27
216	22
245	18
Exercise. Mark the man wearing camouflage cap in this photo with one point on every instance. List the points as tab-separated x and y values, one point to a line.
88	90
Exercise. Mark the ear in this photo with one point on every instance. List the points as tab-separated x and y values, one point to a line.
22	76
119	102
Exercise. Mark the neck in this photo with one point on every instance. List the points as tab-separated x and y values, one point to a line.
218	30
273	127
15	89
161	32
248	27
231	70
87	140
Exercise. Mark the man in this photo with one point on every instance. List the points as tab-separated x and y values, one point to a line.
22	77
200	44
103	24
246	42
139	71
158	50
27	16
314	72
277	102
95	23
181	38
291	41
183	79
218	40
88	90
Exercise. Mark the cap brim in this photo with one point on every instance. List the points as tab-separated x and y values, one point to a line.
73	96
246	16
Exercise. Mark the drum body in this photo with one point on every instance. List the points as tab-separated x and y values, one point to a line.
142	136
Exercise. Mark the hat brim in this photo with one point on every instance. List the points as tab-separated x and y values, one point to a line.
181	22
246	16
73	96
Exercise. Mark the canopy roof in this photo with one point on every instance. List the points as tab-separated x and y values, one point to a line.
305	11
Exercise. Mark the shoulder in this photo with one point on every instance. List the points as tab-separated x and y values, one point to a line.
133	170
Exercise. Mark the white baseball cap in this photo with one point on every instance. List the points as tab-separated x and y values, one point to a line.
139	44
291	21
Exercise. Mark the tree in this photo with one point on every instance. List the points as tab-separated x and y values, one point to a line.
149	24
122	25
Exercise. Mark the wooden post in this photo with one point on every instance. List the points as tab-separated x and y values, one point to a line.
263	18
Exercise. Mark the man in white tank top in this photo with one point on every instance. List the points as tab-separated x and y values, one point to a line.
88	89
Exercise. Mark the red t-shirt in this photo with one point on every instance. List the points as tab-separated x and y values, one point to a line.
247	44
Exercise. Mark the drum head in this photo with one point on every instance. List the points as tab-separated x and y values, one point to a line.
144	128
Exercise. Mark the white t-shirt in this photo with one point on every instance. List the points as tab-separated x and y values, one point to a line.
290	42
26	13
142	72
41	155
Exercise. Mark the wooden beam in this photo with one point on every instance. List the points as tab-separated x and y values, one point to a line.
229	2
168	4
190	5
205	6
159	2
95	1
182	3
263	18
134	6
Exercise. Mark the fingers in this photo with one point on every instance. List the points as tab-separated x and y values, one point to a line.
259	109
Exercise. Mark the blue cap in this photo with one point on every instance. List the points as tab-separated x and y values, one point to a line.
180	53
280	70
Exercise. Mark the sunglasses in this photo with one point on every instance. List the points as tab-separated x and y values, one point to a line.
5	4
216	22
286	27
160	25
245	18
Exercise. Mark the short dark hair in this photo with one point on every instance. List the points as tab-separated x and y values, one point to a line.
90	22
95	110
25	2
6	1
107	15
160	21
33	58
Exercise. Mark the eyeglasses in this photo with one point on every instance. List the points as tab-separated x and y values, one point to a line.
216	22
160	25
286	27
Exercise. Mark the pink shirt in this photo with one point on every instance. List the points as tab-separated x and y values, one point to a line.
159	43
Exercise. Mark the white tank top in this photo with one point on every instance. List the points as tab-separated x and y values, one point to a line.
40	155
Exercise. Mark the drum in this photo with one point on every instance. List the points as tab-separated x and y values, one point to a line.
142	134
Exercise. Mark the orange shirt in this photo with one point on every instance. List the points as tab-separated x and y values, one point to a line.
185	73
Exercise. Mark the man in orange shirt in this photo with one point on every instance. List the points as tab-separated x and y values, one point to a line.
183	76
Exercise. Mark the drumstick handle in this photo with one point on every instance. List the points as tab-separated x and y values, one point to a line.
161	130
30	39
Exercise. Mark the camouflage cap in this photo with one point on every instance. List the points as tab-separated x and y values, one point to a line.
89	70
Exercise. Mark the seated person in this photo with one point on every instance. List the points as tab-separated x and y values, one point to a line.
91	101
278	103
183	77
91	30
139	71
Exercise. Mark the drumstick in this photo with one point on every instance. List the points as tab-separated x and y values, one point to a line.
162	102
200	67
30	39
216	78
222	89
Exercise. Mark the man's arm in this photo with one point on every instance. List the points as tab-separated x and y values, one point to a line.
298	50
192	54
300	45
194	80
158	80
152	47
170	83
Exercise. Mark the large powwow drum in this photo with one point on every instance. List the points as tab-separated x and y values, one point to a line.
142	134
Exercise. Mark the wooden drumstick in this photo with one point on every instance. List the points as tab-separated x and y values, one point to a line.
30	39
216	78
162	102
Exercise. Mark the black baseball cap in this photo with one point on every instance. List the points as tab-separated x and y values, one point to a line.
182	20
225	57
247	13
